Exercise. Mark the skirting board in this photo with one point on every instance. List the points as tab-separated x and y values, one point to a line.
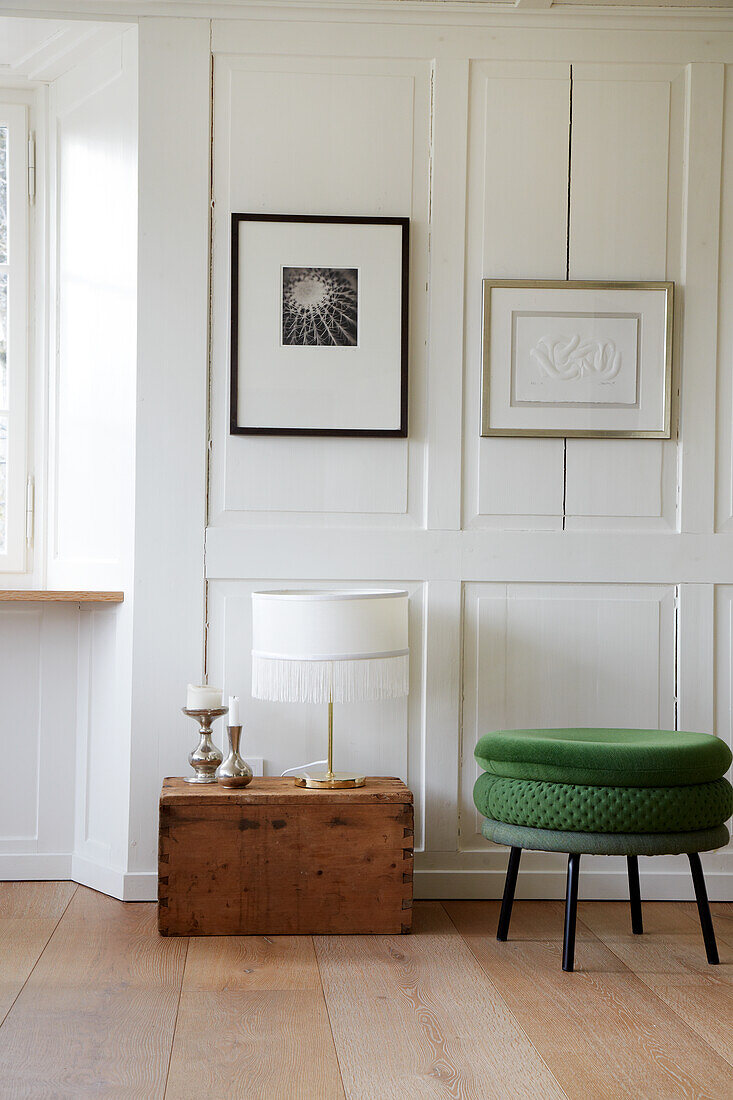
35	867
141	886
594	885
62	867
607	886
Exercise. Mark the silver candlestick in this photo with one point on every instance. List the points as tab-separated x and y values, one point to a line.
205	758
234	772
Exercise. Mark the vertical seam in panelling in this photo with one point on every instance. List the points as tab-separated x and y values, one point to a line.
677	343
426	468
676	656
87	687
209	318
570	165
461	708
39	720
431	152
564	480
719	304
567	276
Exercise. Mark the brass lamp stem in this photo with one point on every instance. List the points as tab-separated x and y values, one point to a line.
330	736
329	779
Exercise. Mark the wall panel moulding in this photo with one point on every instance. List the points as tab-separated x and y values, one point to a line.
551	581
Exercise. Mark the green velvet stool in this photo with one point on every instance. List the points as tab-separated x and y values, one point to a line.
605	792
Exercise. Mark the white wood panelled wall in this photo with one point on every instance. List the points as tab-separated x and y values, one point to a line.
552	582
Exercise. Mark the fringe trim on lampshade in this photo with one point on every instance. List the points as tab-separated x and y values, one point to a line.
311	681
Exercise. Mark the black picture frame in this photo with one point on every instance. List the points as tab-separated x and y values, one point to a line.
235	428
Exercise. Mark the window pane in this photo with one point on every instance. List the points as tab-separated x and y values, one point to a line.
3	479
3	341
3	194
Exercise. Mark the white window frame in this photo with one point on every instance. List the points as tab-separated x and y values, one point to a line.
15	117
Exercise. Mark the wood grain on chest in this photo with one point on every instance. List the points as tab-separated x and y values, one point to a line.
274	859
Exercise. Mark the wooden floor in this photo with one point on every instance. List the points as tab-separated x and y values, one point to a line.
94	1003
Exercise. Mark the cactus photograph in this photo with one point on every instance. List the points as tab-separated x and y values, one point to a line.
320	306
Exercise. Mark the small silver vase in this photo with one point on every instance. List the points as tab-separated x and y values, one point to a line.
234	772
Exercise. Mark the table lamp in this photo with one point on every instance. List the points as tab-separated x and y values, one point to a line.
329	647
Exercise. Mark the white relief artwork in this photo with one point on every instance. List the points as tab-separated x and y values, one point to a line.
574	359
569	357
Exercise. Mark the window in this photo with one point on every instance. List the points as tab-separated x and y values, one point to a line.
14	253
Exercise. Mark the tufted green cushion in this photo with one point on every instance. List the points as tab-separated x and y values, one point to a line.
578	808
605	757
606	844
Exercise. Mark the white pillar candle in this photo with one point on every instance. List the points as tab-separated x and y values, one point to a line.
233	718
203	697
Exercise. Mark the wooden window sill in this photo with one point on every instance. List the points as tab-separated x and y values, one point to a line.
47	596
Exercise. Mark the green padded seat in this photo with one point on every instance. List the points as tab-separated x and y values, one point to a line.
584	809
605	792
605	757
606	844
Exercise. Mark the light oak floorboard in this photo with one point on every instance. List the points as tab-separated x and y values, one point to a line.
685	914
35	899
252	1022
29	912
415	1017
601	1030
268	1044
246	963
723	920
96	1017
669	958
611	919
662	918
22	941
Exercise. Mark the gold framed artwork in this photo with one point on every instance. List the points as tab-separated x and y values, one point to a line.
571	358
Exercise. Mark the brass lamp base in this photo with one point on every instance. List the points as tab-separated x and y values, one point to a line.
329	780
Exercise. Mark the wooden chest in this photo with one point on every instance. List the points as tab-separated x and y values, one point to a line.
276	859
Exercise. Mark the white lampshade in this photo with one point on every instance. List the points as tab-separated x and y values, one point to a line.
311	646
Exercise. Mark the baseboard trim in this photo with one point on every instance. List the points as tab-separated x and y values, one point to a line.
140	886
594	885
35	867
63	867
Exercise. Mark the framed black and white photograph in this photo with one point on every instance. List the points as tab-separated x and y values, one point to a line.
577	358
319	325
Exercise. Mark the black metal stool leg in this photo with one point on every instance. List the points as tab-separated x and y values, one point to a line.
508	900
703	908
637	924
571	911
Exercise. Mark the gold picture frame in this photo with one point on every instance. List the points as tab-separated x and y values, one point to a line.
517	387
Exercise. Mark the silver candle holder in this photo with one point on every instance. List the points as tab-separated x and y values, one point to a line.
205	758
234	772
